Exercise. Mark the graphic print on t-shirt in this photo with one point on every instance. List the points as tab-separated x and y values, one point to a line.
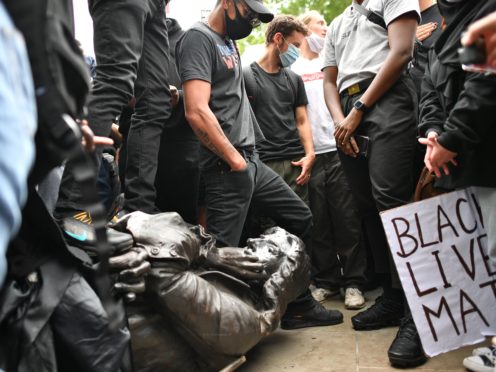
312	77
229	55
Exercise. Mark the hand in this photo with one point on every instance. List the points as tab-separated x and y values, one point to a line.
239	164
347	127
116	135
485	28
130	268
424	31
350	148
174	95
306	164
239	262
437	157
89	140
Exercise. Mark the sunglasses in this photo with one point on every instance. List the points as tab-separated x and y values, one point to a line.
250	15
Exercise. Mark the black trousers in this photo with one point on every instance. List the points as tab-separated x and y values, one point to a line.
132	52
228	196
178	178
384	180
337	227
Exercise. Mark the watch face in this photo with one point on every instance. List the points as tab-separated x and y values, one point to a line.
359	105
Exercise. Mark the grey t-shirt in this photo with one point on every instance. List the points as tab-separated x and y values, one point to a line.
357	46
203	54
279	94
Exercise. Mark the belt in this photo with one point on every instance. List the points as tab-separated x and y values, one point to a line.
356	88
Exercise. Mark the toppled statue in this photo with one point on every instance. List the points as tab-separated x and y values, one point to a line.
200	307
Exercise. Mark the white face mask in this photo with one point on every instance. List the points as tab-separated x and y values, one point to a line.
316	43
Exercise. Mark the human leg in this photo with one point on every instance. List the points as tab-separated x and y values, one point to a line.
274	198
325	263
227	198
118	39
151	111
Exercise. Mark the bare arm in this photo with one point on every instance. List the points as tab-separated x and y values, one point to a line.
305	132
333	103
205	124
331	94
401	36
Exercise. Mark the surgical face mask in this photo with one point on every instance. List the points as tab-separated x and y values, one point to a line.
240	27
289	56
316	43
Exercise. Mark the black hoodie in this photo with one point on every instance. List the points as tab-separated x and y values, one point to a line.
461	106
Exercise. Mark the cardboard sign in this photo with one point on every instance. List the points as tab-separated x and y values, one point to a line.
440	250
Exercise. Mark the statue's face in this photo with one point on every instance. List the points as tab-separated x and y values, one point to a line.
274	240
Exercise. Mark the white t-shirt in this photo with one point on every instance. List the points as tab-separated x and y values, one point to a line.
357	46
320	119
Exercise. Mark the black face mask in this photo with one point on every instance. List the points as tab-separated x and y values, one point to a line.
239	28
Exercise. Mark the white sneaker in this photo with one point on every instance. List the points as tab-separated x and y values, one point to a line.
353	299
480	363
322	294
488	350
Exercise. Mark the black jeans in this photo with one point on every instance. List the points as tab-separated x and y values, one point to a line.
132	52
178	178
228	196
337	227
383	180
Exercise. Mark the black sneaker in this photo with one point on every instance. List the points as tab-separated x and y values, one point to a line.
316	316
384	313
79	231
406	349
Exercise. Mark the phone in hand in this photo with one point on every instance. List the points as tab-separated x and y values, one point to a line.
363	145
473	58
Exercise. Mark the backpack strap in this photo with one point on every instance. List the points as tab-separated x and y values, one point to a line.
370	15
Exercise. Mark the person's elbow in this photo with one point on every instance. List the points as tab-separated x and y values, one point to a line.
403	54
193	115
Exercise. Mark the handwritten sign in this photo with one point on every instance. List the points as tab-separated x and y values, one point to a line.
439	247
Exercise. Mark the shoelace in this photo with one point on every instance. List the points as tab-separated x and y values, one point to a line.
407	328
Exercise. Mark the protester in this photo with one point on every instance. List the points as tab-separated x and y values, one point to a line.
178	173
368	95
338	258
218	110
131	60
278	99
17	127
458	124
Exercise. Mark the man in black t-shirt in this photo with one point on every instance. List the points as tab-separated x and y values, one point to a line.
279	101
217	108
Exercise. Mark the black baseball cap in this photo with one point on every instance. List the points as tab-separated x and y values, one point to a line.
265	15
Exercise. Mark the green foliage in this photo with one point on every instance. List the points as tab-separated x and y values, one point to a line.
330	9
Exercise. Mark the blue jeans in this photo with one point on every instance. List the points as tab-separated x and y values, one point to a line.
17	128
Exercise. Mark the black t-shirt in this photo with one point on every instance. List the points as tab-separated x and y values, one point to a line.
278	98
430	14
203	54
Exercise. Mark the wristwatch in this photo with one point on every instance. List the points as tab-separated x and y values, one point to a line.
360	106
